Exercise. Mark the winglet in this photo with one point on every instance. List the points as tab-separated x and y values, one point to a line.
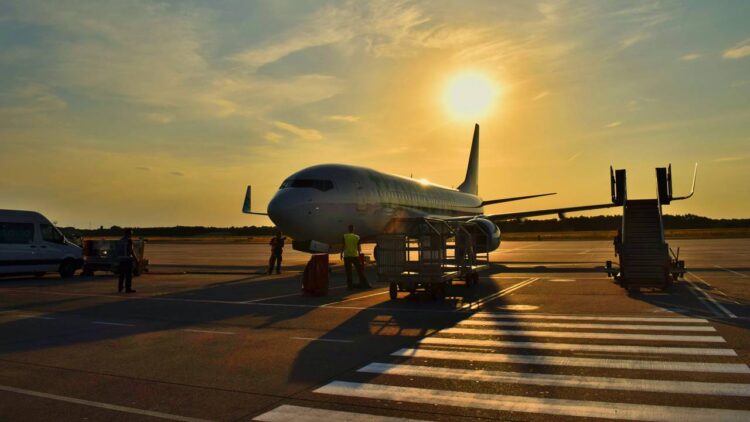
692	188
246	203
471	182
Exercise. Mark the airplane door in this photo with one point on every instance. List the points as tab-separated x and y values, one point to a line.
360	195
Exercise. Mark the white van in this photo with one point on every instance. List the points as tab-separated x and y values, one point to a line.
30	244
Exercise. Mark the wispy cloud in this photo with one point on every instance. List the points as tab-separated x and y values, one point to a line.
343	118
162	118
143	168
576	155
729	159
306	134
690	57
738	51
613	125
540	95
633	39
272	137
177	173
33	98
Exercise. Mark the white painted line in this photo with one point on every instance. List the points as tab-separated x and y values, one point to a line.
501	293
295	294
584	252
100	405
631	364
190	330
574	347
34	316
600	383
576	334
588	326
354	298
731	271
498	402
588	317
710	298
322	339
119	324
288	412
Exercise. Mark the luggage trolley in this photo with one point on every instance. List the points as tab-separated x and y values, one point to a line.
428	254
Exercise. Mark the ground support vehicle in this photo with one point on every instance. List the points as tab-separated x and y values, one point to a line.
105	255
429	255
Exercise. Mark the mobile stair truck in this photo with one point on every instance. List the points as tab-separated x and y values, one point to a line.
645	259
429	254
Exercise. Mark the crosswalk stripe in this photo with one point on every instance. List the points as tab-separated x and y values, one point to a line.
288	412
588	326
650	365
628	384
573	334
579	347
588	318
500	402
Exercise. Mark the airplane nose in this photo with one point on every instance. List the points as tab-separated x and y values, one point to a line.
284	209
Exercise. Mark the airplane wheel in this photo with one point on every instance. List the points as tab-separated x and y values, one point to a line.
393	290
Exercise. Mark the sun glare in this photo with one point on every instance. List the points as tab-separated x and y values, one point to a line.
469	95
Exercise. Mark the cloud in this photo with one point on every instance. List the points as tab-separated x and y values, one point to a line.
634	39
576	155
272	137
728	159
613	125
162	118
306	134
177	173
142	168
540	95
343	118
738	51
33	98
690	57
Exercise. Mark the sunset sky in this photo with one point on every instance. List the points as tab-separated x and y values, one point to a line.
160	113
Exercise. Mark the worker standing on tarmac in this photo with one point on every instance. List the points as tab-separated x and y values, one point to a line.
128	261
277	249
350	254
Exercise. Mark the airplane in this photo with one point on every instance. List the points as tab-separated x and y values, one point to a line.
316	204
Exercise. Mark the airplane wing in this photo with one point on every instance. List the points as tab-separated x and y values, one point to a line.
535	213
517	198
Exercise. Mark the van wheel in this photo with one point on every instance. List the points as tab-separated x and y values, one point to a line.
67	268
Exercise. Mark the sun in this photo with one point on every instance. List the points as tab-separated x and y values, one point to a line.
469	95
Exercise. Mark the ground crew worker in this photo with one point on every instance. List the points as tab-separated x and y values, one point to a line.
350	254
128	261
277	248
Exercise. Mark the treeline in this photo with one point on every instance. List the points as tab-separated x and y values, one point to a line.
177	231
687	221
612	222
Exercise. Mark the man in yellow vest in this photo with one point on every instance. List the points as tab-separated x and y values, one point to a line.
350	254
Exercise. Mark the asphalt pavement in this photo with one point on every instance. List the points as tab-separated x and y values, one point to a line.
544	335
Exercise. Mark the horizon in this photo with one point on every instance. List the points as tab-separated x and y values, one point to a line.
150	114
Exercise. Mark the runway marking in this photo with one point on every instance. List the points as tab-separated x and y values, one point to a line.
119	324
644	327
648	365
34	316
710	298
100	405
501	293
628	384
191	330
575	334
448	341
326	305
322	339
499	402
297	293
731	271
287	412
588	318
584	252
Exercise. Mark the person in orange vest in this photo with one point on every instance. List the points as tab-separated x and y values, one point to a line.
277	249
350	254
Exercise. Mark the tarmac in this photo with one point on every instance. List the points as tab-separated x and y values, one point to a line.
545	335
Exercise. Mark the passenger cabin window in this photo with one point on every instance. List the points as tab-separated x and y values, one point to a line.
321	185
16	233
50	234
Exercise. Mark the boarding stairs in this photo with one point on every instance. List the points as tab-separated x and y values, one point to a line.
645	259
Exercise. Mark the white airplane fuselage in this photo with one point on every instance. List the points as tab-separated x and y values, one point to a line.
319	202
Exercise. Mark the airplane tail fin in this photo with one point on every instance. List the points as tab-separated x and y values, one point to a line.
471	182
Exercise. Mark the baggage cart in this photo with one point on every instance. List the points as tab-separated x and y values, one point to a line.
428	255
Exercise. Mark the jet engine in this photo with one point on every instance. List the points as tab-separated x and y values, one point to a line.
488	239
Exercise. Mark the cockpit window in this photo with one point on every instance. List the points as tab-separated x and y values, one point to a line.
322	185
